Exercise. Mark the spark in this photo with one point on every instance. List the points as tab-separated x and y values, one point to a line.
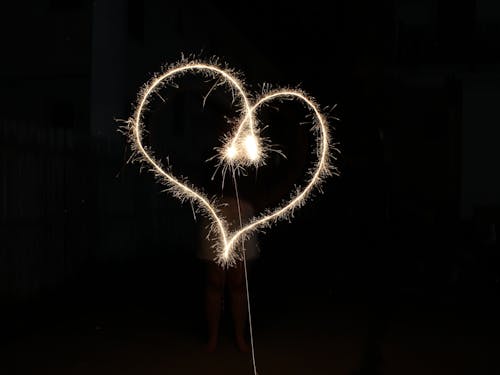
244	147
252	147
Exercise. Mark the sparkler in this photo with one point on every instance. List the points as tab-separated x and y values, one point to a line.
244	147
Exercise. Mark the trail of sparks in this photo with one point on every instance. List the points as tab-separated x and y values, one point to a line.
244	147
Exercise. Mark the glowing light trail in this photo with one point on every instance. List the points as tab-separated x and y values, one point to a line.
243	148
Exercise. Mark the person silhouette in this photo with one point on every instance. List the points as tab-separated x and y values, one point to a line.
219	279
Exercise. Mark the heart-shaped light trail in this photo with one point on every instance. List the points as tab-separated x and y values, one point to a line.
243	148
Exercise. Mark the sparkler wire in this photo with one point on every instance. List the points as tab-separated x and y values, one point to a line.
242	148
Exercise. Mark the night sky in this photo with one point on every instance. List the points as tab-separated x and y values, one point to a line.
393	268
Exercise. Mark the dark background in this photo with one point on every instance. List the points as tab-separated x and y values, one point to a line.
395	268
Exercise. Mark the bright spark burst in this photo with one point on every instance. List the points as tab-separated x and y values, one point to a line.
244	147
252	147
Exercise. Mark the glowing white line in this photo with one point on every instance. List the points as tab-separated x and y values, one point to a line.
238	152
322	165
